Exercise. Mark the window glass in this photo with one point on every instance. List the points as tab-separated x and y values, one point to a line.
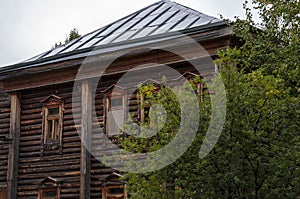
50	193
115	115
116	190
50	129
115	121
117	102
145	102
53	111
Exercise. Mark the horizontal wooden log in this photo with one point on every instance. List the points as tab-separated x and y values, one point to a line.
44	175
49	158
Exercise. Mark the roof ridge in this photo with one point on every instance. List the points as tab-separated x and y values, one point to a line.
180	7
101	29
187	9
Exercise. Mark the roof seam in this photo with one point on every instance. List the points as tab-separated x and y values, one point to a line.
137	22
179	18
103	29
111	32
178	22
193	22
164	22
84	52
187	9
135	14
147	25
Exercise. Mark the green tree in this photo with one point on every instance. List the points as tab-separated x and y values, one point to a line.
179	179
74	34
257	155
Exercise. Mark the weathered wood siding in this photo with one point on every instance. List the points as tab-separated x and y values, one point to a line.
32	166
99	170
4	131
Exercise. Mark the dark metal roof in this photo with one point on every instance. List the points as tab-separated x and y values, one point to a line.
160	18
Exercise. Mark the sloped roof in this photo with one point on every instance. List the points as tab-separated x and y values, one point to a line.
158	19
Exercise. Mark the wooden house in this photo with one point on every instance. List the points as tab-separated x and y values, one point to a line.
42	154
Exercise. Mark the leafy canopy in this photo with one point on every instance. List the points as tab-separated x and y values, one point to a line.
257	155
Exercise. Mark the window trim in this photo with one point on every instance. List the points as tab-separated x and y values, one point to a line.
48	189
107	194
200	86
52	102
200	90
113	181
142	112
114	92
53	185
49	117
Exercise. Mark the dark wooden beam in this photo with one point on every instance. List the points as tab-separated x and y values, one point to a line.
13	157
86	125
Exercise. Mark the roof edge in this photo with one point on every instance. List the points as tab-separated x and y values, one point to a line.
68	55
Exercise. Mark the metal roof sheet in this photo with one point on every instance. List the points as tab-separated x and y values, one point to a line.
160	17
156	22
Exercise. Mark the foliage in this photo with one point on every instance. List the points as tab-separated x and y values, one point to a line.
169	182
72	35
257	155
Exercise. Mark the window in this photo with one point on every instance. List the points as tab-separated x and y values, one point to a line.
196	81
49	193
147	93
114	191
52	123
114	111
113	187
145	105
49	188
200	88
2	194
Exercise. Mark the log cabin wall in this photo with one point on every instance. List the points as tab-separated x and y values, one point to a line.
34	166
97	168
4	131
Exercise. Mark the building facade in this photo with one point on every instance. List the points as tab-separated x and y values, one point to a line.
54	107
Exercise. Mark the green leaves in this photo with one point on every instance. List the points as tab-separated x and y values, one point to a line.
74	34
257	155
262	128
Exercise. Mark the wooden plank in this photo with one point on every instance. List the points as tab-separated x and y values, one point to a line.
13	158
86	118
2	194
32	168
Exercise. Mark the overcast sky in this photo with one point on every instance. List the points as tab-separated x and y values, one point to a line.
30	27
